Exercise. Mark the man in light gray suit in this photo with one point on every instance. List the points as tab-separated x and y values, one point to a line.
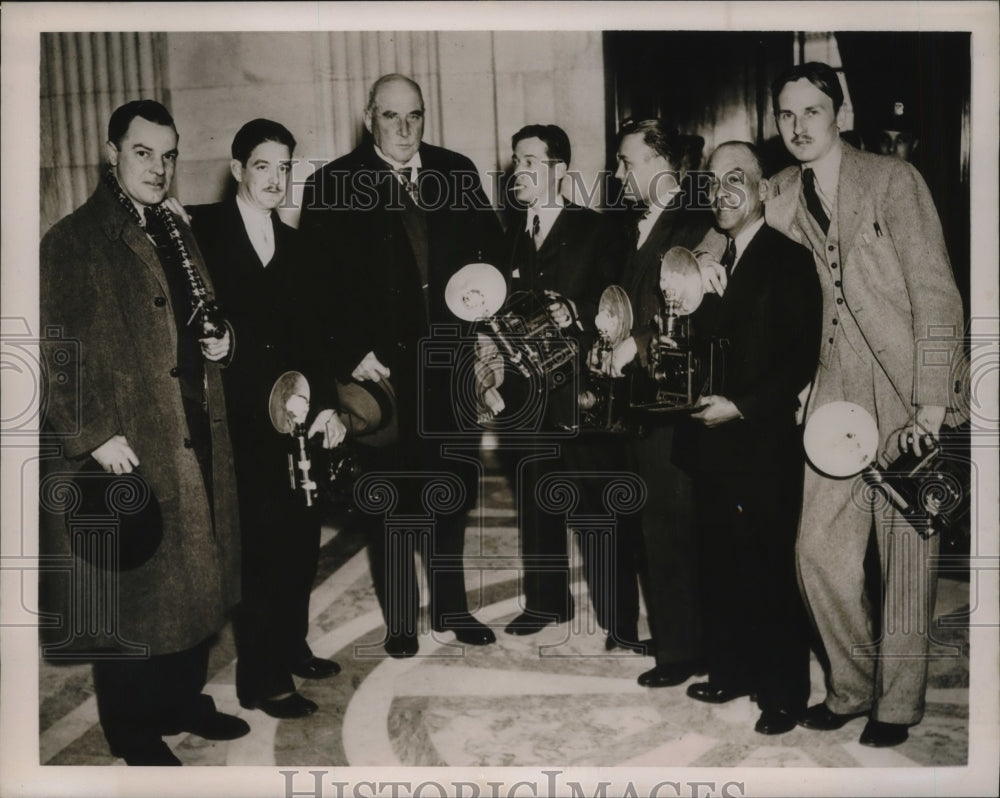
888	293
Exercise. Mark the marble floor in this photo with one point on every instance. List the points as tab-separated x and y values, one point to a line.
556	697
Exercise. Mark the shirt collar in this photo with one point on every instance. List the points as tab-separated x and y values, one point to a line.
827	170
546	212
745	237
249	212
413	163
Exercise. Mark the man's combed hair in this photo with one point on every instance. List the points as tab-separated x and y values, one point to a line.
821	75
662	140
257	131
150	110
552	136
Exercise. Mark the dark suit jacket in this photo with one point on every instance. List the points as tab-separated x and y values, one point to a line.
273	310
353	220
676	226
770	315
576	260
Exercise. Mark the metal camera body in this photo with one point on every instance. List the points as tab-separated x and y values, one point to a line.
532	342
921	489
681	365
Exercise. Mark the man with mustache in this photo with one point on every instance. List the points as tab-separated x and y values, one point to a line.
888	288
256	263
126	282
388	224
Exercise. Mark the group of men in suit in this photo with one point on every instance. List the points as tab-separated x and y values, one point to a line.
355	296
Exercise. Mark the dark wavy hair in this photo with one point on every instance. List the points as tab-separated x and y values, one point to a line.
664	141
822	76
552	136
150	110
257	131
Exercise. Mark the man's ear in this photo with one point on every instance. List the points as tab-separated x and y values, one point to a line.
368	120
112	152
764	189
560	170
237	169
842	121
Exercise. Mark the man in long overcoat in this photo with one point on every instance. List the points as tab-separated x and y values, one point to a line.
388	224
121	285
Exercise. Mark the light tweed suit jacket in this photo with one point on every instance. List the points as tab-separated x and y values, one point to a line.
895	277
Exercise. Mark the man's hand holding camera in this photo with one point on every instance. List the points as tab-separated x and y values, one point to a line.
215	349
716	410
927	421
333	429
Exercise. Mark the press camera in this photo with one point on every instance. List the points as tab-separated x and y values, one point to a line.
682	365
931	490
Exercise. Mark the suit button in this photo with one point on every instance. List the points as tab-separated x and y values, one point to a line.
188	443
269	347
833	265
159	302
831	247
836	321
840	300
174	371
837	283
830	340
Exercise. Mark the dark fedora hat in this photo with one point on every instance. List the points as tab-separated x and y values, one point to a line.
114	521
368	410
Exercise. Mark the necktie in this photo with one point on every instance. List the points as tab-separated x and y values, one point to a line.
536	230
729	257
408	185
813	204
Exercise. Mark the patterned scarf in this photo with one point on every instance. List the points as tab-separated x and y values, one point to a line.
161	226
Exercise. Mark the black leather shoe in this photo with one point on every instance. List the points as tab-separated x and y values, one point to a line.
467	630
219	726
775	721
883	735
316	668
667	675
713	694
528	623
291	706
819	717
214	726
401	646
153	754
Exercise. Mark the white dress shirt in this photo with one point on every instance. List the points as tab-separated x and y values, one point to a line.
547	214
260	229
